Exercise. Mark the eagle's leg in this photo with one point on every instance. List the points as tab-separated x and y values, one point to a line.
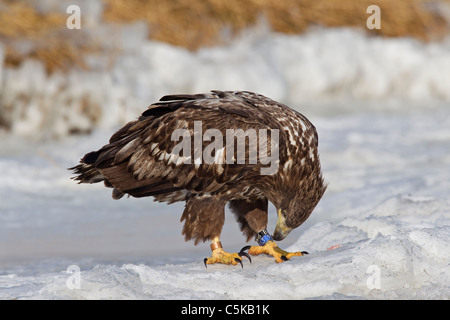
221	256
268	246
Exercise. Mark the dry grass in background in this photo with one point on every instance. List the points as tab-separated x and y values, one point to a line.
196	23
193	24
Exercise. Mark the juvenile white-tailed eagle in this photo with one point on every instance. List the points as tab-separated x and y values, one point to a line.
208	150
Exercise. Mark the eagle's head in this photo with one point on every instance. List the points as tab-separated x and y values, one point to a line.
296	205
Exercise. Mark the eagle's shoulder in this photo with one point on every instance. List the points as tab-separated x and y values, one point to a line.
244	104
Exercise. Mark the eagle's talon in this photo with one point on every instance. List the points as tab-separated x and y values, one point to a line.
271	248
245	254
304	252
245	248
221	256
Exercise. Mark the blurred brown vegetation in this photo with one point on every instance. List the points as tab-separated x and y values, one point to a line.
194	24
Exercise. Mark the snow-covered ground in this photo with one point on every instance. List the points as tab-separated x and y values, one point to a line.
382	230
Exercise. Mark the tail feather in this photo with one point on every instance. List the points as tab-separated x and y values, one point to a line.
87	173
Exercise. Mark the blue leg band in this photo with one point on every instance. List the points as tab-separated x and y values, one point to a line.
263	237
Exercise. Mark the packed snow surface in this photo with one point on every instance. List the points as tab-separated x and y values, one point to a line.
382	230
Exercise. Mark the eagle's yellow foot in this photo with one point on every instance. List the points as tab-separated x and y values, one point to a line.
221	256
271	248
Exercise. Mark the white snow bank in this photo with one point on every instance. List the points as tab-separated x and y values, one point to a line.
332	65
412	265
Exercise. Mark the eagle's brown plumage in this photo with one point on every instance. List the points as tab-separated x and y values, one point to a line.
138	161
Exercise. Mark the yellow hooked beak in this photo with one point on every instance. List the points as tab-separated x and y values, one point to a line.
281	230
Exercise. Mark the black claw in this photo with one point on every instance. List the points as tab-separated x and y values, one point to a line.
245	254
245	248
204	261
284	258
305	252
240	261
